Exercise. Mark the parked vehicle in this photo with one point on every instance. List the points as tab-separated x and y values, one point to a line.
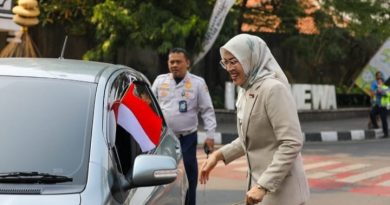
62	141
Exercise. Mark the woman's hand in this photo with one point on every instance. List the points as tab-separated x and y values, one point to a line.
255	195
209	165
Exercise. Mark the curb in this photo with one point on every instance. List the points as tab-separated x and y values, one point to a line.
333	136
324	136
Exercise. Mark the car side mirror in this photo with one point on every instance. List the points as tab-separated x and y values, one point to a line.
152	170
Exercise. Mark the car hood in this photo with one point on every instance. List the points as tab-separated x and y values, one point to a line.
17	199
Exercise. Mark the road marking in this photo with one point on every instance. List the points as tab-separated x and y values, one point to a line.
385	183
328	173
319	164
365	175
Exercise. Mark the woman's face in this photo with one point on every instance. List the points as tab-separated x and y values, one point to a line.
234	68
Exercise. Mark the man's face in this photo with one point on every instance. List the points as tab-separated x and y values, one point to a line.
378	76
178	64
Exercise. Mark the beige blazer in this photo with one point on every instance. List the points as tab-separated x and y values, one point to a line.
271	138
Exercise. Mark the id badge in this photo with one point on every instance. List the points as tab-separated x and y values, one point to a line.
182	106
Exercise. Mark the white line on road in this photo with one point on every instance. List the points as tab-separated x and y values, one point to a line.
365	175
385	183
328	173
319	164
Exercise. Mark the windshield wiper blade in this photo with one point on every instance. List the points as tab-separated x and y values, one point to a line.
33	178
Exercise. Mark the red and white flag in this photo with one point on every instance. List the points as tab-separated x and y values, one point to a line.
139	119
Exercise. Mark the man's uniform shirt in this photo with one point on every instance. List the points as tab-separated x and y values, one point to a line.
379	94
182	102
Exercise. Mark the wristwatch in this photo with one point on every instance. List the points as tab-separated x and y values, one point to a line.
261	187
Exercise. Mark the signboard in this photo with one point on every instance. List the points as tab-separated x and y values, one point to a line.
314	97
306	96
380	62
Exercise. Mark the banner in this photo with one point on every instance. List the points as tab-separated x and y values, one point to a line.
380	62
221	9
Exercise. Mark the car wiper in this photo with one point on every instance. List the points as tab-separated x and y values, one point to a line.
33	178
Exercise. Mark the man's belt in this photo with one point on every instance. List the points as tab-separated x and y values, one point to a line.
183	134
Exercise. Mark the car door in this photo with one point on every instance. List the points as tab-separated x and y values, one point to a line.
125	146
173	193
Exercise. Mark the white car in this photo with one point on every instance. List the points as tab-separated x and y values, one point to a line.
81	132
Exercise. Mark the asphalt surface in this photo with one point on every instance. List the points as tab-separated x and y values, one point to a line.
333	129
354	172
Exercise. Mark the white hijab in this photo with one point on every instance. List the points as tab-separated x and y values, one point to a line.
257	61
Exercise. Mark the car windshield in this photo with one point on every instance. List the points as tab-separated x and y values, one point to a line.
45	126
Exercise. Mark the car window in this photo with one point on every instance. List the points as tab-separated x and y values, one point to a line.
139	123
143	91
46	126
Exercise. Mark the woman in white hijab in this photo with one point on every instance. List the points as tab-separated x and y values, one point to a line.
269	133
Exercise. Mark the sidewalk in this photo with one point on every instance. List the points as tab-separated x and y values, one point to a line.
332	125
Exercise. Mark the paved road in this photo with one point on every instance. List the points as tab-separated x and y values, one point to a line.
354	172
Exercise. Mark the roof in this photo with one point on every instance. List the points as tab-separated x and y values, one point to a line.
79	70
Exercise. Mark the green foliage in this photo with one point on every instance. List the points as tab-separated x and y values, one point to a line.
344	89
268	14
331	57
72	14
157	24
349	33
288	11
362	17
335	55
114	24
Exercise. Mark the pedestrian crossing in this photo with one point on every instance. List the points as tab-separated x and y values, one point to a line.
325	173
365	175
333	172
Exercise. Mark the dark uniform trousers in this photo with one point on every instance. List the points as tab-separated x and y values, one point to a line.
382	112
188	147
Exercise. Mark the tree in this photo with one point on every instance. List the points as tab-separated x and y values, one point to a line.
362	18
72	14
350	32
157	24
274	16
344	36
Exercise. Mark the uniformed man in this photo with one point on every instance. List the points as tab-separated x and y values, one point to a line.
182	96
379	103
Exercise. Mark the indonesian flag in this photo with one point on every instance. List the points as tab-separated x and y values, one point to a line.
136	117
